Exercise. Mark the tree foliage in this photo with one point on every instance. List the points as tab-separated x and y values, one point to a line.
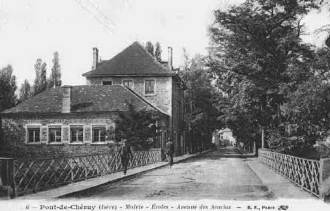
40	82
150	48
25	91
258	58
55	75
309	108
200	98
158	52
137	126
8	87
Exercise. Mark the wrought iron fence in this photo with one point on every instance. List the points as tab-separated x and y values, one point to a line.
40	174
303	172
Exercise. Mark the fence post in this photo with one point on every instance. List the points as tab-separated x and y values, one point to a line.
324	178
254	148
7	176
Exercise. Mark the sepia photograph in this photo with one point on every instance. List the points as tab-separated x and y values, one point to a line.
160	105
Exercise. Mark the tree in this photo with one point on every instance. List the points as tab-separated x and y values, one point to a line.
158	52
308	105
137	126
55	75
150	48
8	87
200	97
309	108
258	57
25	91
40	82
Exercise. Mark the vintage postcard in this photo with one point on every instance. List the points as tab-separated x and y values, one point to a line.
160	105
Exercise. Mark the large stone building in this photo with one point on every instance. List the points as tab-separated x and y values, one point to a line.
157	82
74	120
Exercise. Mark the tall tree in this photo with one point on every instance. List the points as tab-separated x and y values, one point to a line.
308	105
25	91
137	126
200	97
258	56
158	52
150	48
40	82
8	87
55	75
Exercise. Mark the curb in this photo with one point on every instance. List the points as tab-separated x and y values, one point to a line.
123	178
271	186
127	177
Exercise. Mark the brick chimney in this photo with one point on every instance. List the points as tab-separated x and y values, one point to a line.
66	99
170	58
95	58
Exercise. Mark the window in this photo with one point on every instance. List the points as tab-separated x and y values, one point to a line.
149	87
128	83
76	134
54	134
33	135
98	134
107	82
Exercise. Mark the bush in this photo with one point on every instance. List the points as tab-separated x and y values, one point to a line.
299	146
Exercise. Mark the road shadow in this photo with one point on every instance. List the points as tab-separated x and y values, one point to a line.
219	154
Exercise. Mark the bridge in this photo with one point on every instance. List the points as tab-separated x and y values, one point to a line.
223	174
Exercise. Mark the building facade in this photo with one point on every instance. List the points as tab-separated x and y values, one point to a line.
157	82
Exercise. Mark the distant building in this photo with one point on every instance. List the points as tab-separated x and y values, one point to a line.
223	137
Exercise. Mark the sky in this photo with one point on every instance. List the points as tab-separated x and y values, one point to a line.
31	29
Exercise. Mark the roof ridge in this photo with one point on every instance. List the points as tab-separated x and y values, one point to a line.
104	98
153	58
134	59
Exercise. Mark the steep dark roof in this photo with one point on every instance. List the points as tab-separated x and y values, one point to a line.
83	99
134	60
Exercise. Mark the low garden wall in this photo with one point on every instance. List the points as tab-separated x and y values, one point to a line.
311	175
32	175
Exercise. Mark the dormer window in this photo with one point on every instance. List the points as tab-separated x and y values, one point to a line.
149	87
106	82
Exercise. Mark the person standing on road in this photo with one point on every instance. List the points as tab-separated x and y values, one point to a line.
125	155
170	151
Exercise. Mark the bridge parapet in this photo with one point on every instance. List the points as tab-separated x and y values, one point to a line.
311	175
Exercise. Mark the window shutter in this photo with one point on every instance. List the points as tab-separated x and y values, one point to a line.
88	134
44	134
65	133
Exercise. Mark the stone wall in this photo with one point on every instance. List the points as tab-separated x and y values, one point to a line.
168	97
14	139
14	136
162	97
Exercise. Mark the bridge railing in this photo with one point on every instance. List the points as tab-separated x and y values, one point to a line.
310	175
28	176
